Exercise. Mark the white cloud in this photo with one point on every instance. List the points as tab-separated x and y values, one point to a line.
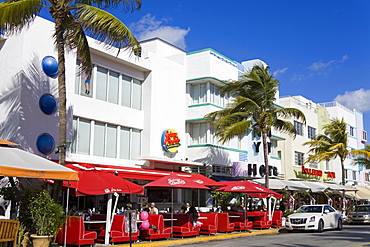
280	71
320	67
148	27
358	99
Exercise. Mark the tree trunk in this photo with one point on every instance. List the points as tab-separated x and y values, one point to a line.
59	29
265	157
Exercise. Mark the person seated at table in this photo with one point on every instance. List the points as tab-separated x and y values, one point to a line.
128	206
182	210
241	208
194	213
233	207
153	209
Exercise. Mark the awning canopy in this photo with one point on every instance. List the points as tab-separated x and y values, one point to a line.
128	172
361	193
279	184
15	162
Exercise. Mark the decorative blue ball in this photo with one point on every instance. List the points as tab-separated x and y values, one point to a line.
50	66
48	104
45	143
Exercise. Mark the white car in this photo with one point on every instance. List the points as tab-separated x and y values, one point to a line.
314	217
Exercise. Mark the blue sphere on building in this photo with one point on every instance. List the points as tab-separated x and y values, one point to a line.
50	66
45	143
48	104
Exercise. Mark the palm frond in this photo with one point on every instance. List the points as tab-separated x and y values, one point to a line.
15	15
105	27
128	5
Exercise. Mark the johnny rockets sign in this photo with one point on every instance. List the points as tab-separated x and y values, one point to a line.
170	141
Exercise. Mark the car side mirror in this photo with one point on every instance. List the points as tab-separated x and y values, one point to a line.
326	211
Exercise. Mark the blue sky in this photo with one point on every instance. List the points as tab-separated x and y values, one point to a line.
319	49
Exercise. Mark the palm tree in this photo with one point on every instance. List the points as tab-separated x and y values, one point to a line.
363	156
73	21
253	109
331	144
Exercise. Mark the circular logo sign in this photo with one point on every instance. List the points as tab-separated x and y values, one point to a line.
170	141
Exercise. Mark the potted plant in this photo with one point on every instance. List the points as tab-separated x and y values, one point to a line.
41	216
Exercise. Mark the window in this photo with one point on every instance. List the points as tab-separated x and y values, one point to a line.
354	177
111	87
351	131
81	136
327	165
198	93
364	135
198	133
299	159
299	128
110	140
367	177
346	174
313	164
311	132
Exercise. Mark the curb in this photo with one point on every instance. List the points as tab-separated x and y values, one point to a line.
202	238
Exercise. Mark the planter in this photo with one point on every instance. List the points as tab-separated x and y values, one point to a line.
41	241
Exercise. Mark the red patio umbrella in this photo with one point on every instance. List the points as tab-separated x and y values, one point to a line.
175	181
94	182
200	179
101	182
250	188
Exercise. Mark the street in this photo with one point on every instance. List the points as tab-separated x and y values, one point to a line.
350	236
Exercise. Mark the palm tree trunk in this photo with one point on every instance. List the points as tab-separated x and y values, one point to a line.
265	157
61	103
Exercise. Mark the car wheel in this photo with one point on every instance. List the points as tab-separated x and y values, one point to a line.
340	225
320	226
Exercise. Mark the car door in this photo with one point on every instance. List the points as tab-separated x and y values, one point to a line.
329	217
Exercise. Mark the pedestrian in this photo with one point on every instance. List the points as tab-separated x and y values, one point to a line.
153	209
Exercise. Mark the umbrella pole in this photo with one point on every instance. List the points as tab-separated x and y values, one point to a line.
198	200
65	228
172	213
245	213
108	220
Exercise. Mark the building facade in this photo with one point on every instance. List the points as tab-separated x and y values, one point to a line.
294	154
142	114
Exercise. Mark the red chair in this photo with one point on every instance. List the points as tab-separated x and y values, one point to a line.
182	226
75	233
240	220
277	220
159	233
117	232
209	223
261	221
224	224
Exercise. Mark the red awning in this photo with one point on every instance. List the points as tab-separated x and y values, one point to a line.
127	172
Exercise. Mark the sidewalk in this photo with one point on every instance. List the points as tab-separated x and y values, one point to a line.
201	238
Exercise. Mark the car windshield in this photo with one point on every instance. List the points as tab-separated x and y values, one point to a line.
310	209
361	209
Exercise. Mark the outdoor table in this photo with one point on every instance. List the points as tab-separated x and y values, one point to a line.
94	221
255	215
87	223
